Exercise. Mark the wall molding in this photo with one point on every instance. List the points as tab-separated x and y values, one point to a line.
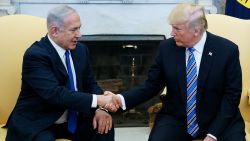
104	1
208	4
7	7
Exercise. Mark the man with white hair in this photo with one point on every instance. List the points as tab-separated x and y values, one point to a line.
203	77
59	95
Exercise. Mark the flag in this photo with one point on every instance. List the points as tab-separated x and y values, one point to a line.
238	8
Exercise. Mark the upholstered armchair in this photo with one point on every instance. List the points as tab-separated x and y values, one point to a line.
18	32
236	30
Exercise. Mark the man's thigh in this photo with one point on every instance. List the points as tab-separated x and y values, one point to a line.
168	133
56	131
85	132
234	132
235	137
61	131
45	135
105	137
167	128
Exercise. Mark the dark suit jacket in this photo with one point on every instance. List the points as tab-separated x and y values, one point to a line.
44	92
219	85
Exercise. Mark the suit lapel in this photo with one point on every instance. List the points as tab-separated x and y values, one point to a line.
205	65
181	71
55	57
75	57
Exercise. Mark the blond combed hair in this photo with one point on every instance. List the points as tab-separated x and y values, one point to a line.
190	14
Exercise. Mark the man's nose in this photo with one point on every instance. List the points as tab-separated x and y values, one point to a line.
78	33
172	33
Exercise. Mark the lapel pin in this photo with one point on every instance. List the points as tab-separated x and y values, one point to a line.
210	54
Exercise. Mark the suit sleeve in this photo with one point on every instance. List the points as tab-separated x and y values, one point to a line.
232	93
38	74
149	88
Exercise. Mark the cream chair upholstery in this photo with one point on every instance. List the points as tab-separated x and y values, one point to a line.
238	31
18	32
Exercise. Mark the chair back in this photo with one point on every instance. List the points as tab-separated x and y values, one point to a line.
238	31
18	32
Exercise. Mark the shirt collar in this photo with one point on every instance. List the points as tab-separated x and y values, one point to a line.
59	50
200	45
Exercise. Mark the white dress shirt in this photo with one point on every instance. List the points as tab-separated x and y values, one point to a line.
198	49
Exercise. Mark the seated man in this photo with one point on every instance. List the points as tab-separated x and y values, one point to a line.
57	98
203	77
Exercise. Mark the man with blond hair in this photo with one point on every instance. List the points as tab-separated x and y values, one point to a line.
203	77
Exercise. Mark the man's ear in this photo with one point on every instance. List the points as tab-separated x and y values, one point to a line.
54	31
197	31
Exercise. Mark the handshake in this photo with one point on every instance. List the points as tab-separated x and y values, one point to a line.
109	101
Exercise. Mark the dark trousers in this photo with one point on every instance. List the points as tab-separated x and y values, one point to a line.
164	130
85	132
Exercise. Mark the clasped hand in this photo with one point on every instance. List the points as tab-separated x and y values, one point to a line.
102	120
109	101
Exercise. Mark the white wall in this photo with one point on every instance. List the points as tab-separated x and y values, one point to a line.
6	8
112	16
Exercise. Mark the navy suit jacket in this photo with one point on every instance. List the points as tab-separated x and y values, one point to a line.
45	93
219	85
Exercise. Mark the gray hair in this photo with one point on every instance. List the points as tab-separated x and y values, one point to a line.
56	16
191	14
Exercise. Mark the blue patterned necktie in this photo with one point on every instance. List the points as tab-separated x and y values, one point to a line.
72	115
191	70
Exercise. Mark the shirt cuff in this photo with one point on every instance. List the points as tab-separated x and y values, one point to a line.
123	102
212	136
94	101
